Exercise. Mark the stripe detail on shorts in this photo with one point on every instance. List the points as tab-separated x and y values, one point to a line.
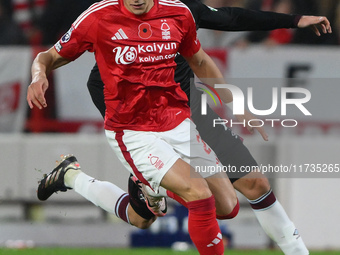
128	158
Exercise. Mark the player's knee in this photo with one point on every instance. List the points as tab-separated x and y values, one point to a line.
195	189
198	192
253	188
259	187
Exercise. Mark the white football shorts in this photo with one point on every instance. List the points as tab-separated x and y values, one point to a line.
149	155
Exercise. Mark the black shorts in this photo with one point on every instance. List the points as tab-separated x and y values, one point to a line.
95	86
229	147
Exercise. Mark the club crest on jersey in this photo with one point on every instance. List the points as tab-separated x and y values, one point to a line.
165	30
67	36
144	31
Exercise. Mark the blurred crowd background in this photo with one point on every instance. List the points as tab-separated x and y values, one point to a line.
42	22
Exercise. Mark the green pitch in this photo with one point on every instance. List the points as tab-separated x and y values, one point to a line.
111	251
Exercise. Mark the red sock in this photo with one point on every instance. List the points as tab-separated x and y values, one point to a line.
177	198
203	227
231	215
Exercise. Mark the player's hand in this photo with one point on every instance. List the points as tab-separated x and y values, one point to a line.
316	23
247	116
36	93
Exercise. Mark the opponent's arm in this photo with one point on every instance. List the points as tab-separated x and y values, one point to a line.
42	65
316	23
239	19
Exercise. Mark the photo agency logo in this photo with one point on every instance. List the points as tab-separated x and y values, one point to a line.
280	98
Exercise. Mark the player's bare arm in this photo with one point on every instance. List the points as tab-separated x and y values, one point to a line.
205	68
42	65
316	23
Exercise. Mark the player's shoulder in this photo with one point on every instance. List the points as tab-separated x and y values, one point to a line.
176	8
174	5
171	3
194	5
102	6
96	10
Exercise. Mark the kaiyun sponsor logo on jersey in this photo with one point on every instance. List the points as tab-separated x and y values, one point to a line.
128	54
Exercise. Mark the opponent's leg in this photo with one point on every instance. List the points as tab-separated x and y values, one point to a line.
230	150
270	213
227	206
67	175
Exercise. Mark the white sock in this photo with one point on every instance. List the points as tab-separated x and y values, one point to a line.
101	193
70	177
276	223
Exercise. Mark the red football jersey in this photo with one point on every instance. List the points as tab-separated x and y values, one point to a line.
135	55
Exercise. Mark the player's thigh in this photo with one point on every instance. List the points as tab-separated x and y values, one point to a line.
194	150
227	145
144	154
205	163
185	182
224	192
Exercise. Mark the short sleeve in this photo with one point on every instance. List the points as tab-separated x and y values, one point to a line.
190	43
78	39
